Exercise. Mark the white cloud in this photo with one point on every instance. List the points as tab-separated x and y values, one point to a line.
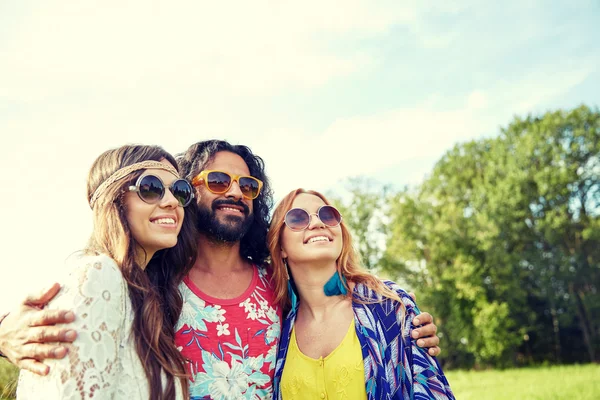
532	92
547	84
214	47
364	145
477	99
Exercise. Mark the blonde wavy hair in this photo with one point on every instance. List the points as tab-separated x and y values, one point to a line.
348	263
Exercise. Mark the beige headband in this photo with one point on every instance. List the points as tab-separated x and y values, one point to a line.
123	172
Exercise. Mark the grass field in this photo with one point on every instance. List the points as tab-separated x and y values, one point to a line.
8	379
581	382
549	383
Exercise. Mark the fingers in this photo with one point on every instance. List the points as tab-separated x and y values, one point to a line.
412	295
40	299
47	334
423	319
34	366
51	317
424	331
31	356
428	342
32	353
434	351
42	351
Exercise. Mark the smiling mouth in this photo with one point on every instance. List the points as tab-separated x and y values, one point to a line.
318	239
164	221
232	209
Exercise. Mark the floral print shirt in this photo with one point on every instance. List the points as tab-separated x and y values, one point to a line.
230	344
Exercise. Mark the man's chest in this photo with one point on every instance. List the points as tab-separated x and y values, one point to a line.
223	286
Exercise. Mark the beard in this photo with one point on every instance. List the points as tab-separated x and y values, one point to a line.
231	230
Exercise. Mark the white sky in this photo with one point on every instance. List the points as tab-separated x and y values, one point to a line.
321	90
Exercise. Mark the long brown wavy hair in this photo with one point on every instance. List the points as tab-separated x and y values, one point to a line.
153	291
348	263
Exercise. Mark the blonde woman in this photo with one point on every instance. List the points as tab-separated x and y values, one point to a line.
346	335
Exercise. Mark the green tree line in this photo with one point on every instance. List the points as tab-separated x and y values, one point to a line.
501	242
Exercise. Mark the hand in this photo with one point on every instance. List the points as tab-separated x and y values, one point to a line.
426	334
25	333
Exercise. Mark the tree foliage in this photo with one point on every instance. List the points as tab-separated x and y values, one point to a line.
502	242
363	211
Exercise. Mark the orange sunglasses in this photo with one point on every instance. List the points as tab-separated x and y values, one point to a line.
219	182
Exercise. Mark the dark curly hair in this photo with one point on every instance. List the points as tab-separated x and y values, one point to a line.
254	243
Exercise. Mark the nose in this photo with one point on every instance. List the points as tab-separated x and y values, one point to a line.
234	191
169	200
315	221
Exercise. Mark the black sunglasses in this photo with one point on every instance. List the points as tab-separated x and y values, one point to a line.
151	190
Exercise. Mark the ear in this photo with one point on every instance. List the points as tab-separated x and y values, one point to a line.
197	194
283	253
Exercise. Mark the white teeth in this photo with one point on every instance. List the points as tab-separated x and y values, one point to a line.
231	209
318	239
166	221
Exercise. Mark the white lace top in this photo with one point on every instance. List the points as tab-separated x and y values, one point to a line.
102	362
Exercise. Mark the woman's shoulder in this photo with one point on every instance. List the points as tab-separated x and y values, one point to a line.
82	262
93	274
403	294
369	293
392	311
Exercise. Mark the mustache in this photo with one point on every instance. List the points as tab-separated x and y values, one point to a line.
239	203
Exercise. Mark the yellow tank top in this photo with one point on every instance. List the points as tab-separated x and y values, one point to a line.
340	375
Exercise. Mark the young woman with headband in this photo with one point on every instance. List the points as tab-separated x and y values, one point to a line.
346	333
123	286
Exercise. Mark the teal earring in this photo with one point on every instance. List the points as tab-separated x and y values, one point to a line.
290	286
334	285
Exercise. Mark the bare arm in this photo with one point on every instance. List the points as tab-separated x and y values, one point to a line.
28	332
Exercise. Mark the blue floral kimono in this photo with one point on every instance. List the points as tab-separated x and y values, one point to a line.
395	367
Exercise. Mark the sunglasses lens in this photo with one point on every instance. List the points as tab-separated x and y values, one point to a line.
182	191
330	216
249	187
218	182
297	219
151	189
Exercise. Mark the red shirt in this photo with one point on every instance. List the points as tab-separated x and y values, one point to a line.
230	344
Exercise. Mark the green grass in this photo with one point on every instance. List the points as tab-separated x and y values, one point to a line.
8	379
581	382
